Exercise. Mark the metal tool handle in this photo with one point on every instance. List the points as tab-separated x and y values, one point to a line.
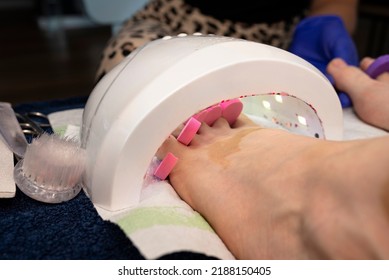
10	130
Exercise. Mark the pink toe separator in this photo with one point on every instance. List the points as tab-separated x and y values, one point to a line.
231	110
212	114
200	116
166	166
189	131
209	115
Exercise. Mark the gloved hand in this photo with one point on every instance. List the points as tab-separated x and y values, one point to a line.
319	39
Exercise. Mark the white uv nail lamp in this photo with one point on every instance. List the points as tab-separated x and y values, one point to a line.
137	105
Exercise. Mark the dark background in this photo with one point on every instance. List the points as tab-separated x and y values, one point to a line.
43	58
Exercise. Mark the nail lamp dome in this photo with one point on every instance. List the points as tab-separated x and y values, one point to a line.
137	105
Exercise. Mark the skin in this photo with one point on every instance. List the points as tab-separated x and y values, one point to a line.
370	97
346	9
270	194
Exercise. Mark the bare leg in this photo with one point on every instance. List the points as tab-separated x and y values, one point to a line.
273	195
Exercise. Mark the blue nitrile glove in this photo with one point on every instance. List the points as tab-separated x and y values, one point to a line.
319	39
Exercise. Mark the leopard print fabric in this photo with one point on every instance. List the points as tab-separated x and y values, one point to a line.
171	17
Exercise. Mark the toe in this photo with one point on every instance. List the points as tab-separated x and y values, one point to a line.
170	145
243	121
221	123
204	129
178	130
366	62
347	76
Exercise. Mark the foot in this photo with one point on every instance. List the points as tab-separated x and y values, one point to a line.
270	194
370	96
248	183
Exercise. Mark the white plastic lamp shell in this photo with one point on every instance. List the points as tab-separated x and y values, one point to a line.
137	105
